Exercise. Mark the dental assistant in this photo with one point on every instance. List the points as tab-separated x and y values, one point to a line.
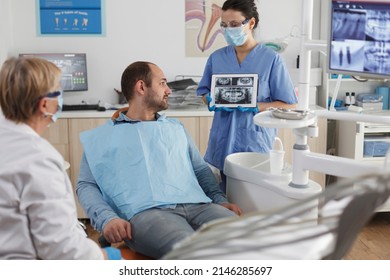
37	208
234	130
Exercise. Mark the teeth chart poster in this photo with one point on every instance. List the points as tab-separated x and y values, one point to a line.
72	17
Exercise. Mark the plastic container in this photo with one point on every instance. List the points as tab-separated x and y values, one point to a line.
376	146
384	92
276	157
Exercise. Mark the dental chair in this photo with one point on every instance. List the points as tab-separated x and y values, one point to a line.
344	208
126	252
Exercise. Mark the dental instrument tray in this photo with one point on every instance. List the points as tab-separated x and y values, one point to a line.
289	114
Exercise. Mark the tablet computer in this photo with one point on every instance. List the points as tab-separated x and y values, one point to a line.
233	90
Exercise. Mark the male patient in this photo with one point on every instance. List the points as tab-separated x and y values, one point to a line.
142	179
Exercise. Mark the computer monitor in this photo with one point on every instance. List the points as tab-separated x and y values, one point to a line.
73	66
359	38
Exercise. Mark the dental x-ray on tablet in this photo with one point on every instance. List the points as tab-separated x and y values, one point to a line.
233	90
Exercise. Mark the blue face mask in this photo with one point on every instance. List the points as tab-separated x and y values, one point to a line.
235	36
55	116
59	108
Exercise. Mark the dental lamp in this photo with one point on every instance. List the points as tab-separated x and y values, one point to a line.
280	44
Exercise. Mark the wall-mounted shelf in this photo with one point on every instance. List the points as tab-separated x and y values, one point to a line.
347	85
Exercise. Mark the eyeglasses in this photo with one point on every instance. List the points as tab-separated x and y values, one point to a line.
233	24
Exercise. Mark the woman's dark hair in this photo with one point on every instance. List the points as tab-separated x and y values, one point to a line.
246	7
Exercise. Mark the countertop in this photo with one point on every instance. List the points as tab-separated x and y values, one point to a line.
182	111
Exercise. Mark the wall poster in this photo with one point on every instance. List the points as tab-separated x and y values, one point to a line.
203	34
74	17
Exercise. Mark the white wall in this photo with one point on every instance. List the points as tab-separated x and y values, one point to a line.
6	40
151	30
277	19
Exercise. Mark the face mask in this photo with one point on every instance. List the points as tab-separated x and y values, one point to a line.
235	36
55	116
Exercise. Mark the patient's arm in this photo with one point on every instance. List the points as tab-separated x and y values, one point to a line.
91	198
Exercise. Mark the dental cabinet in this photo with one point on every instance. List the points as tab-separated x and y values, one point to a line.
64	136
367	142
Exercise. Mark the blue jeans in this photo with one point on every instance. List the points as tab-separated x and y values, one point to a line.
155	231
222	184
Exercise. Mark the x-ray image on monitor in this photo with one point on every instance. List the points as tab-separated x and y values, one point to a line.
347	54
377	57
378	25
73	66
359	38
232	90
349	25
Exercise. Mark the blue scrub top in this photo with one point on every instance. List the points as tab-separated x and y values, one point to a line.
233	132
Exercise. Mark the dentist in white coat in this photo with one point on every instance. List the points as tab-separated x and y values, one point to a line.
37	208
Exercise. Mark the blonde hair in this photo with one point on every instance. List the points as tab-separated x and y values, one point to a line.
23	82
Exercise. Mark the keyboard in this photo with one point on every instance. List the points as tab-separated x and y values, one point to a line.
79	107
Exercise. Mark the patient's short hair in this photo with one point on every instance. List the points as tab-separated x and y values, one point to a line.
135	72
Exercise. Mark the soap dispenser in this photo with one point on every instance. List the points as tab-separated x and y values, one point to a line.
276	157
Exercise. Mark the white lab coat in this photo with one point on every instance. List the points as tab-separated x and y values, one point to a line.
37	209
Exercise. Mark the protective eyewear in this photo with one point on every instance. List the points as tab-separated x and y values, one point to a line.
53	94
233	24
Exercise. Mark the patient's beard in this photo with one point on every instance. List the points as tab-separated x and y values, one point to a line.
154	102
